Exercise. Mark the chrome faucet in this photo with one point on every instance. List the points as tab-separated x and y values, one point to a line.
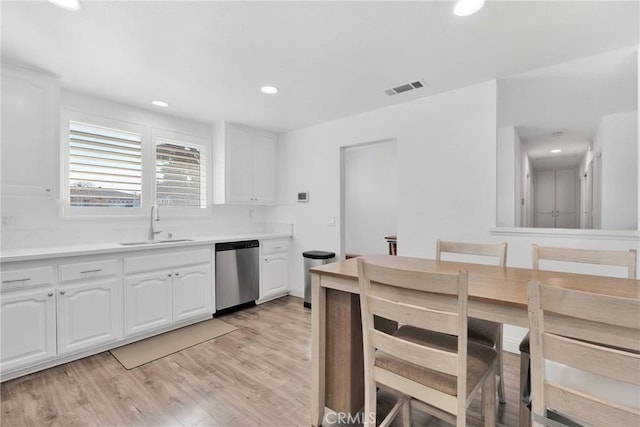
155	216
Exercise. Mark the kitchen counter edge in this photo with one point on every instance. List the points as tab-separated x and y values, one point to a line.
16	255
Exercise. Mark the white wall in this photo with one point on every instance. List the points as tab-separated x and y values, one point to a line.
446	180
37	221
506	167
370	192
619	133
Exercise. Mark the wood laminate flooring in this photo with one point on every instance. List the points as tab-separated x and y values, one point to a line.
255	376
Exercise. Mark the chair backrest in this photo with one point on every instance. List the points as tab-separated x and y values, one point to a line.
587	256
577	329
432	301
498	251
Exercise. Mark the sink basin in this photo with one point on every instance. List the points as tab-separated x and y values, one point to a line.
154	242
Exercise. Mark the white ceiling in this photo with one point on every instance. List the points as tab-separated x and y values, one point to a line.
571	98
329	59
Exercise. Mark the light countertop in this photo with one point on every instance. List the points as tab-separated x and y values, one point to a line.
105	248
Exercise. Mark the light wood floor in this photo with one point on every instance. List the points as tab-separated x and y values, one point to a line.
255	376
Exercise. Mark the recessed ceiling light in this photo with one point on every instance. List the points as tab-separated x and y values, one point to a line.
67	4
160	104
557	150
269	90
467	7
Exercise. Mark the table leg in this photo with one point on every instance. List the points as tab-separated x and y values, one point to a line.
318	338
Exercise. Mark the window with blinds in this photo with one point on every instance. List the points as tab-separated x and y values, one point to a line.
105	167
180	175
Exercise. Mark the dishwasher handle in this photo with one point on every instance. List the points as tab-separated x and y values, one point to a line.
232	246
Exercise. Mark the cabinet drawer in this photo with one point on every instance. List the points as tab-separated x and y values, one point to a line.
88	270
274	246
28	277
138	264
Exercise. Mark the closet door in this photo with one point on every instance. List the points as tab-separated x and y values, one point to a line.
556	200
566	206
545	193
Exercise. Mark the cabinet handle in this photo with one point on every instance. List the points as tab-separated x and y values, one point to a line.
277	247
177	274
63	292
50	294
170	275
16	280
91	271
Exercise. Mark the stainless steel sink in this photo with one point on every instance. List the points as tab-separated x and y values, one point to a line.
154	242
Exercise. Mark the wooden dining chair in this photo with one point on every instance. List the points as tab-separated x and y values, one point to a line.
428	360
595	334
482	331
626	259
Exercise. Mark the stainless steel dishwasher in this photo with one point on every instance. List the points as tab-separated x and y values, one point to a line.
237	273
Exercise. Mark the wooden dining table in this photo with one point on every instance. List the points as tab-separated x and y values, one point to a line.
496	293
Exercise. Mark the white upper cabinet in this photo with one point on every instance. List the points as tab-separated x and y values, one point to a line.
244	165
30	124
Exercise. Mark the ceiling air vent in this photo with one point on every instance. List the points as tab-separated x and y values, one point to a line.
404	88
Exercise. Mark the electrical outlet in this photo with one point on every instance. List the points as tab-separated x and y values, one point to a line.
332	221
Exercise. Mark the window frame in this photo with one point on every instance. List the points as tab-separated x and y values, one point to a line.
201	144
69	116
149	136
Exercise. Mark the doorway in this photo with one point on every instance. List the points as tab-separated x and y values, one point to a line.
368	197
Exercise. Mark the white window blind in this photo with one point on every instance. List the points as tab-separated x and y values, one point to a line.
180	175
105	167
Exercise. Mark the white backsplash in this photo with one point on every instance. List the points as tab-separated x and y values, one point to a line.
36	223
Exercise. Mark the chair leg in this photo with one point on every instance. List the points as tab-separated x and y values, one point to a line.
501	395
370	396
525	414
489	399
406	414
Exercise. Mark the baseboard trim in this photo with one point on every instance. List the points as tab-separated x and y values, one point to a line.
511	345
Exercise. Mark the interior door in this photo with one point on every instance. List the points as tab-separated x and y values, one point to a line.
556	198
565	198
545	199
589	198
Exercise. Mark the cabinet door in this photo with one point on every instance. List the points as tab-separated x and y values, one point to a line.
28	328
192	292
275	275
88	315
264	169
147	301
239	173
29	132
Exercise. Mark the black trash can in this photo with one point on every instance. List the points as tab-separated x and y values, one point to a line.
313	259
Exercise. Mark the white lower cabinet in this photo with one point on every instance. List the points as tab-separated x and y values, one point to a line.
28	327
89	314
147	302
59	309
275	275
175	292
274	268
192	292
